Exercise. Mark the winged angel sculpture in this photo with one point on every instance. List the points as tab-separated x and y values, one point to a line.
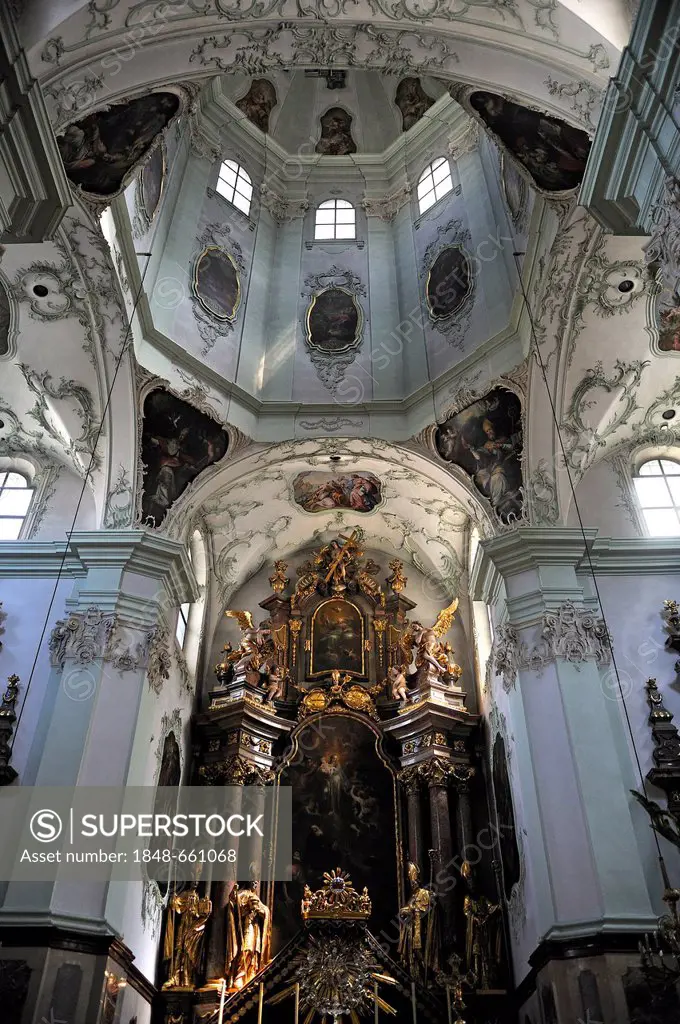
256	651
433	657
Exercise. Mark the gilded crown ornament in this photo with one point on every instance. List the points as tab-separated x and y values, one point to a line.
278	581
337	900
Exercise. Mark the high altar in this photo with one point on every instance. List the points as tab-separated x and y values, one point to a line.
341	693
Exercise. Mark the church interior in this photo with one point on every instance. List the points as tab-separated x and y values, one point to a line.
339	470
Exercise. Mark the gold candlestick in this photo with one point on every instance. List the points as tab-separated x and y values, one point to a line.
413	1002
260	1006
223	992
297	1002
375	1000
448	1004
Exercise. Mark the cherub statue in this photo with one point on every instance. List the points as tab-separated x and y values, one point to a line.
255	645
396	677
276	682
432	656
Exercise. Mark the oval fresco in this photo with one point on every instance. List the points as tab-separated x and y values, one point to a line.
152	179
553	152
217	284
100	151
449	282
334	321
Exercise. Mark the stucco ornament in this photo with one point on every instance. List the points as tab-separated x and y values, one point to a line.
119	507
582	440
570	634
210	326
82	638
662	252
541	492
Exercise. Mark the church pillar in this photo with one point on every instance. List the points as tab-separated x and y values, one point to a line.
464	834
414	819
437	772
568	754
110	649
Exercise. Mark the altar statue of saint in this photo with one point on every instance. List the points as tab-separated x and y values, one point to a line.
418	930
433	657
256	645
483	934
247	935
188	915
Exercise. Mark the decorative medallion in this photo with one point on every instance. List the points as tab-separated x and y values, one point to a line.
101	151
449	282
178	442
216	283
485	439
320	491
258	103
334	321
552	151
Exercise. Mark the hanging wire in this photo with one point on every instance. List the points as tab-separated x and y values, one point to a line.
69	533
537	352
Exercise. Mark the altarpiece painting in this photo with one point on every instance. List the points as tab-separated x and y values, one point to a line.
343	813
100	151
486	440
178	442
337	639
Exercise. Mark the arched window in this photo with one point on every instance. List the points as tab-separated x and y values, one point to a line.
235	185
336	218
434	182
15	497
657	483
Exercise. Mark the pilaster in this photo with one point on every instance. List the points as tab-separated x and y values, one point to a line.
554	658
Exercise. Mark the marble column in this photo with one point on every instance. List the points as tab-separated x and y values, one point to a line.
464	837
436	772
410	782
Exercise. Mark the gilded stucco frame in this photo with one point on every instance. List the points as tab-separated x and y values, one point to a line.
325	671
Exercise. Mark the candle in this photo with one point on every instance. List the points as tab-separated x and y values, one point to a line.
260	1006
297	1002
413	1002
448	1003
375	999
223	992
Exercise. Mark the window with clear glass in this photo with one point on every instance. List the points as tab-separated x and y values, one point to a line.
657	483
434	182
336	218
15	498
182	623
235	185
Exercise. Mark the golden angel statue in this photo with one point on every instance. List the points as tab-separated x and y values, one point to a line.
432	656
188	915
247	935
256	645
483	934
419	930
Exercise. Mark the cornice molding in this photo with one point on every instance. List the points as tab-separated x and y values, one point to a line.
135	551
531	548
634	556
